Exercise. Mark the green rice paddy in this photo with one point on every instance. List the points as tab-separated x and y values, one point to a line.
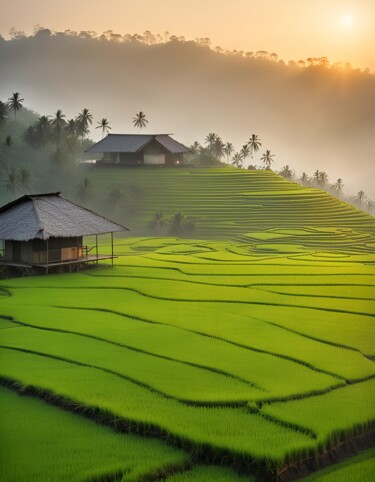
244	354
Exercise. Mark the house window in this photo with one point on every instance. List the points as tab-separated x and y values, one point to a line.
154	159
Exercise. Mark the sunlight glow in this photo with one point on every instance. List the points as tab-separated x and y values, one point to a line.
346	21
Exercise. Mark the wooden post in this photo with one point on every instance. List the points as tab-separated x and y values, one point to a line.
96	248
112	247
47	258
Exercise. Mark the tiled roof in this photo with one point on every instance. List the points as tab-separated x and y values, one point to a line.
135	142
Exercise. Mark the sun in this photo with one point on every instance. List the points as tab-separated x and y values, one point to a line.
346	21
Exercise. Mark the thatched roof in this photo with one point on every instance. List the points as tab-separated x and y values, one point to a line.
43	216
132	143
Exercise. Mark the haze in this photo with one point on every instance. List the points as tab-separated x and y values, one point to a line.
310	119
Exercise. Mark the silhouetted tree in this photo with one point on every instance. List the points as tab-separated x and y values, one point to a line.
176	225
267	159
228	150
157	223
15	103
286	172
83	122
84	190
360	197
245	152
254	144
338	186
8	144
104	126
237	160
140	120
58	124
3	113
304	179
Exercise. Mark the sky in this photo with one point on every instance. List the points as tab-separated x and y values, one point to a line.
341	30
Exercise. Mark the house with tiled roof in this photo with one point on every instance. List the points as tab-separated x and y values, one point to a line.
139	150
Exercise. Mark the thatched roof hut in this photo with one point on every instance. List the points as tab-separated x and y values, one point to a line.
47	230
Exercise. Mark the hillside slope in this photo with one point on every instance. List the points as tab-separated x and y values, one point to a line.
225	202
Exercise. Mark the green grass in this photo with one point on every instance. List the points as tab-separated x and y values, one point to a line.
331	414
360	468
40	443
239	354
225	430
226	202
209	474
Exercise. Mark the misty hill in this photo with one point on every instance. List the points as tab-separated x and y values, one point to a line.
226	203
314	117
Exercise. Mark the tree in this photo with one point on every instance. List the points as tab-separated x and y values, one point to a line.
140	120
58	124
71	131
210	139
15	103
323	178
176	225
25	180
360	197
286	172
8	144
316	176
157	223
217	148
3	113
245	151
83	122
84	190
12	184
195	148
237	160
267	159
338	186
38	134
228	150
254	144
304	179
104	126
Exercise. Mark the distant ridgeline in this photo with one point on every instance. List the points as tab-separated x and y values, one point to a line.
226	203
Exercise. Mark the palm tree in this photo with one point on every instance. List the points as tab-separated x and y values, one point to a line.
58	124
360	197
104	126
237	160
254	144
84	190
25	180
323	178
176	224
228	150
304	179
140	120
286	172
217	148
3	113
83	122
37	135
245	151
157	223
338	186
15	103
316	176
71	132
267	159
195	148
210	139
8	143
12	184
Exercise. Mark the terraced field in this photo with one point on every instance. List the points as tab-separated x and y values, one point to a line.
233	355
228	202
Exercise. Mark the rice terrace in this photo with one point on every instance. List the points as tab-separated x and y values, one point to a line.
244	353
